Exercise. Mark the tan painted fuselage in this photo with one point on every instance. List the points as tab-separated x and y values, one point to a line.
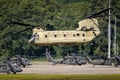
87	31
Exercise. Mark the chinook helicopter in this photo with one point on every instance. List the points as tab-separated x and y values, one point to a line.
86	32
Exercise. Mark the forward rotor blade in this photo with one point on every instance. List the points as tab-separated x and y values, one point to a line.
22	30
23	24
94	15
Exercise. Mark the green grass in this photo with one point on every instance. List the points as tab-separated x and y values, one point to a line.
38	59
60	77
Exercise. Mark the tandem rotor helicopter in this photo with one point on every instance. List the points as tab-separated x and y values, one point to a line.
86	32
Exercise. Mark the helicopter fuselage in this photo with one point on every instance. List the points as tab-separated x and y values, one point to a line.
87	31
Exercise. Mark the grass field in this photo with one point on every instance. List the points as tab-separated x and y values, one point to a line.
60	77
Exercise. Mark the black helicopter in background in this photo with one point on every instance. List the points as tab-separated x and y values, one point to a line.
69	58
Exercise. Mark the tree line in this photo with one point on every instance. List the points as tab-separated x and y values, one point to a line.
61	15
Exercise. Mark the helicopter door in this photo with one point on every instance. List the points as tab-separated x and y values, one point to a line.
36	37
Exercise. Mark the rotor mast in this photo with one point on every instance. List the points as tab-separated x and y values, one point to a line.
109	35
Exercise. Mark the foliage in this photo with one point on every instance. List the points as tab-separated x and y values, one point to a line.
60	14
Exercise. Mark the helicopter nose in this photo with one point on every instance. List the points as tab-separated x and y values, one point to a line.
97	32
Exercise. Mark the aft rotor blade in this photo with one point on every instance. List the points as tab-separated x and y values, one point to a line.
94	15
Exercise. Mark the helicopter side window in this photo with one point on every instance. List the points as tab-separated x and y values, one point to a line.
73	35
36	36
55	35
83	34
46	36
64	35
78	34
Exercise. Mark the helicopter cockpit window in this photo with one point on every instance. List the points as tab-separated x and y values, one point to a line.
36	36
84	28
